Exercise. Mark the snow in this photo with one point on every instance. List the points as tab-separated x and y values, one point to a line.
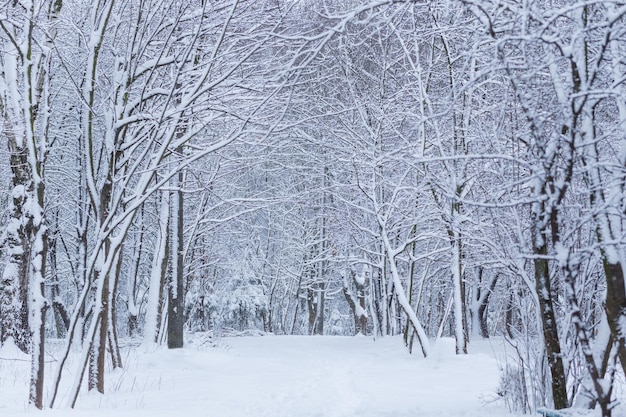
562	254
360	276
11	353
359	311
295	376
19	192
10	272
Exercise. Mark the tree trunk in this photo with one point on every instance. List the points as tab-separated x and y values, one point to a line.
99	352
38	306
158	274
615	306
479	304
315	301
356	303
459	298
14	288
549	327
176	301
114	347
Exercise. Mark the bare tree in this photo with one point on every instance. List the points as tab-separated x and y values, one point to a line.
27	34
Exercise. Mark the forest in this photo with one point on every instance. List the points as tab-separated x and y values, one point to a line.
423	168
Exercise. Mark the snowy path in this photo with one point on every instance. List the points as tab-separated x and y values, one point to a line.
278	376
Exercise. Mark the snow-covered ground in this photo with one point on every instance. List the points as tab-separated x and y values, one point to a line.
277	376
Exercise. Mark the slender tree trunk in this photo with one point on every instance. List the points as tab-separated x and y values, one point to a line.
459	298
549	325
99	352
158	274
176	297
615	306
38	305
114	347
401	295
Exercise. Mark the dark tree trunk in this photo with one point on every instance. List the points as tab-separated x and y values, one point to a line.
550	329
175	307
102	336
315	302
114	347
616	306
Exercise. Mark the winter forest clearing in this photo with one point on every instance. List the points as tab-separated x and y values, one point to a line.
401	170
278	376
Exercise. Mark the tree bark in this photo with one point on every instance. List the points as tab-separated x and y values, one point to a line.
549	327
176	302
14	288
